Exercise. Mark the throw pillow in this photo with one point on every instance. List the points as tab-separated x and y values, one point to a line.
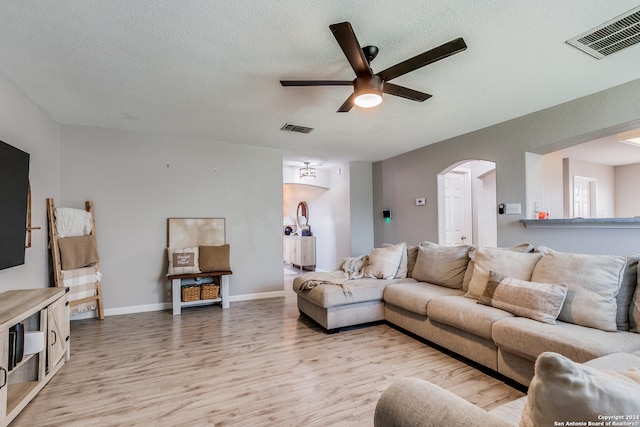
78	252
214	258
537	301
183	261
593	283
562	390
518	265
384	262
441	265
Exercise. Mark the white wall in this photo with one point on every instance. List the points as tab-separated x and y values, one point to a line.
398	180
26	126
328	214
360	208
137	181
627	200
605	184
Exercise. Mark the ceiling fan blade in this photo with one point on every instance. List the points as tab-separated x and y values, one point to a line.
426	58
405	92
347	105
316	82
349	43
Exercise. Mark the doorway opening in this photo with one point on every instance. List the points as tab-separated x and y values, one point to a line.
467	204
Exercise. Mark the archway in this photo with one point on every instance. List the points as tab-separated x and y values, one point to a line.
467	204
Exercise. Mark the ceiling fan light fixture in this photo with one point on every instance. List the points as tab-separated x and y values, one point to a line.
368	91
307	172
368	100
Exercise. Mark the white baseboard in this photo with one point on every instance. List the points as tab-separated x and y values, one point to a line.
167	305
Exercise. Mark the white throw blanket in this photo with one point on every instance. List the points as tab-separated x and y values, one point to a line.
350	268
72	222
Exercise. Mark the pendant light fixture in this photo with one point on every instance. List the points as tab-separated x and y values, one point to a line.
307	172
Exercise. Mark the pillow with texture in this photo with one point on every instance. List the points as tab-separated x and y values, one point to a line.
562	390
537	301
384	262
183	261
593	283
214	258
441	265
518	265
78	252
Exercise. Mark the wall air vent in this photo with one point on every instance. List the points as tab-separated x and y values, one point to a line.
610	37
296	128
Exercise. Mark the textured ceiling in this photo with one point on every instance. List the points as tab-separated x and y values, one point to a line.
211	69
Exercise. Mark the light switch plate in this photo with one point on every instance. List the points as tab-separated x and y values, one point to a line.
513	209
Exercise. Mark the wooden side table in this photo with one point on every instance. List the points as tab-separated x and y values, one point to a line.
176	294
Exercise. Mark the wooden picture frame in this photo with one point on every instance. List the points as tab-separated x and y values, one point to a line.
191	232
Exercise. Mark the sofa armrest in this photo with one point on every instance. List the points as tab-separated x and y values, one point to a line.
412	402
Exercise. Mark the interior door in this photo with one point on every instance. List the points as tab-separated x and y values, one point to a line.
457	201
583	197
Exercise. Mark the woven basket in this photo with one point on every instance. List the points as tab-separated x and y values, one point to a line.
190	293
209	291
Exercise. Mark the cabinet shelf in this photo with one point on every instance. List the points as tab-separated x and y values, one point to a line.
18	392
44	310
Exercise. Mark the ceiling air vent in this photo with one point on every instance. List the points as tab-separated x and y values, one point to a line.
611	37
296	128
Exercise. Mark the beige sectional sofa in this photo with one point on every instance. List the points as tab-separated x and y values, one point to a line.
602	392
499	307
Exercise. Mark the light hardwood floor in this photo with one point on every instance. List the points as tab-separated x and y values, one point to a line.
256	364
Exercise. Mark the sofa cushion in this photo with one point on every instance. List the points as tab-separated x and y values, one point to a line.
537	301
518	265
564	390
528	339
468	274
401	273
624	299
593	283
414	297
634	309
412	255
466	314
441	265
384	262
362	290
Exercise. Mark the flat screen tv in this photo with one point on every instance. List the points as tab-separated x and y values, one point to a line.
14	188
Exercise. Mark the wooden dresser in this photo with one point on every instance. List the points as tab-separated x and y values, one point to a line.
300	251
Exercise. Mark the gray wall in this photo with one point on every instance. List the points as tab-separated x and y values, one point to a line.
399	180
26	126
137	181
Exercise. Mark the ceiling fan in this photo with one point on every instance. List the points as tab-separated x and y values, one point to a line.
368	87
